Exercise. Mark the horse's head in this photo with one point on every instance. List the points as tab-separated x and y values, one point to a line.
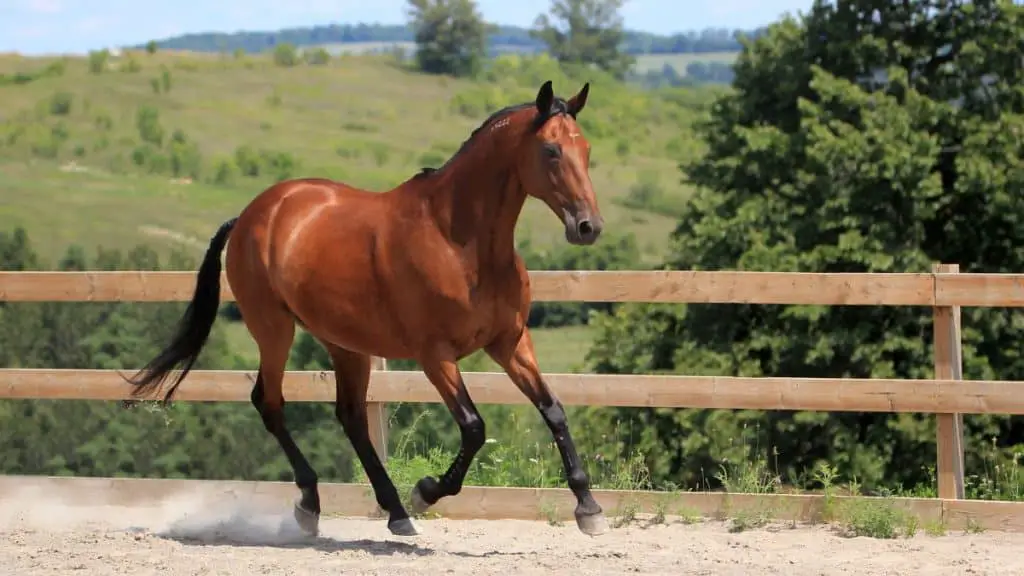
554	165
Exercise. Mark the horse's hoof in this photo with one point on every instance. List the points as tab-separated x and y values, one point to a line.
416	501
403	527
592	524
308	521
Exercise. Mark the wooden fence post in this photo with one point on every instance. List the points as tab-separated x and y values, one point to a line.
949	435
377	417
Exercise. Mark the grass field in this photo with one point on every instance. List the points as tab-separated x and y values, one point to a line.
360	119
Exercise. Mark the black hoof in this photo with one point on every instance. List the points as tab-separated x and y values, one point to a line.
404	527
425	494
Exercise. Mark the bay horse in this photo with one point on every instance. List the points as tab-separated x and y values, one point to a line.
427	271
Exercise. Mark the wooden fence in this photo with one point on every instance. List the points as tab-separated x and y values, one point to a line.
945	290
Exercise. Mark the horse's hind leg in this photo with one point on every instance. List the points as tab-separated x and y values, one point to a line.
274	331
352	376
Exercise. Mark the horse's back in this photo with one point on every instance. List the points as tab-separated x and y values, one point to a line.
310	246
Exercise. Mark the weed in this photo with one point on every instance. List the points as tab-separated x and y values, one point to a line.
935	528
549	510
876	518
972	526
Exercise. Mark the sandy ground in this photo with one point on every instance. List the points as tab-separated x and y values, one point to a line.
189	536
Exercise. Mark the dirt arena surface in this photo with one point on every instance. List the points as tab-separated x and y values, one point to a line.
192	536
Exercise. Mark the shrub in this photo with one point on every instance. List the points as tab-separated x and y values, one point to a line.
318	57
185	158
226	172
247	160
98	60
60	103
286	55
147	120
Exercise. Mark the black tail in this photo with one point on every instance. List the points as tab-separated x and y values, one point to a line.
194	327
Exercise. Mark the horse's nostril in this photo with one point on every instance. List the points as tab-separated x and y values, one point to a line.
585	228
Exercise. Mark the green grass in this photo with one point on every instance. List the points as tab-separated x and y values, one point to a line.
361	119
110	210
647	62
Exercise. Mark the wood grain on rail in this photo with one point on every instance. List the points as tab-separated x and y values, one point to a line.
988	290
824	394
720	287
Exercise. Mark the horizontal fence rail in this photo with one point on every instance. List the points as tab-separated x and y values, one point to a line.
637	391
947	395
717	287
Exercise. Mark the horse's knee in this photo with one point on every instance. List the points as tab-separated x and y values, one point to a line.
474	433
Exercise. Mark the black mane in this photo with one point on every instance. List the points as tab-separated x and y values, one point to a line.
558	106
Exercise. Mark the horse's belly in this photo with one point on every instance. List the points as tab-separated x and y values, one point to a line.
351	315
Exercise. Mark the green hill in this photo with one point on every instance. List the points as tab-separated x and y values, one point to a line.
159	148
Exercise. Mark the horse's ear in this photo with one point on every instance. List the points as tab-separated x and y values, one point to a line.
577	102
544	98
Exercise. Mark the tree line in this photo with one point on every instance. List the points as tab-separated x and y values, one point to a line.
501	38
453	38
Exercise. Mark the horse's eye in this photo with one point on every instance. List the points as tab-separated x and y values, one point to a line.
552	151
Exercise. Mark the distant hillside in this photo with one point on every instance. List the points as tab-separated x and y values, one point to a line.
507	38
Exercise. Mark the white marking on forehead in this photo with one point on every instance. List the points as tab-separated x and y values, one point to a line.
573	135
500	124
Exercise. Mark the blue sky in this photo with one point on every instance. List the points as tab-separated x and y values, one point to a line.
52	26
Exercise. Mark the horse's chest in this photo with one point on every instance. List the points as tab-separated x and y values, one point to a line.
475	314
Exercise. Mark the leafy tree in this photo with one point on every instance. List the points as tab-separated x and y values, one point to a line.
450	37
862	137
590	33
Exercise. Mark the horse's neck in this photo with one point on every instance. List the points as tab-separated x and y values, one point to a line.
478	207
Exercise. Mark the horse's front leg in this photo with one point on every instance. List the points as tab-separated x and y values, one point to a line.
515	355
444	374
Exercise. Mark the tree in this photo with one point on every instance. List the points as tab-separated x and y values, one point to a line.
451	36
591	33
863	137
